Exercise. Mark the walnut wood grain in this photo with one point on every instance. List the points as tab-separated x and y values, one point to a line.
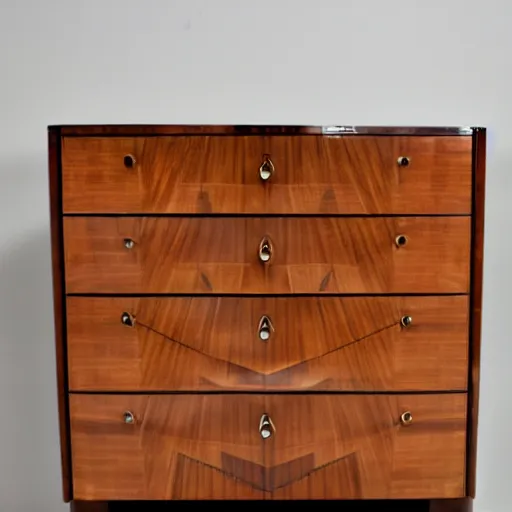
316	343
477	260
309	255
59	307
313	175
323	447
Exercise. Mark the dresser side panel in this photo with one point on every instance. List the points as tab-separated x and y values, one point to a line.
59	306
477	258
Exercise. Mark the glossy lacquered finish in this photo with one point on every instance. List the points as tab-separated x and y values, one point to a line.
321	446
312	343
139	130
314	255
268	313
310	175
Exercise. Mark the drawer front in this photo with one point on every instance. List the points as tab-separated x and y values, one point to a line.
320	446
214	255
308	174
268	343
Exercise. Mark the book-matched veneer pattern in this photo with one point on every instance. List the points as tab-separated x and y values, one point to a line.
317	284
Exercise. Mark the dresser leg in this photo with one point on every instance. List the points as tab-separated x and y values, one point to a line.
89	506
454	505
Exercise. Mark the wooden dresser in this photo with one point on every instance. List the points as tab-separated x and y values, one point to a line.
267	313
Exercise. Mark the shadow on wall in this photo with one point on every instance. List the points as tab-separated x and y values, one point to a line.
30	459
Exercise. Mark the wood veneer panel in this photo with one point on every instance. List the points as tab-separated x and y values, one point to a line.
215	255
323	447
315	343
313	175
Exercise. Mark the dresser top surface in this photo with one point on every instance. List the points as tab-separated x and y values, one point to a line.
191	129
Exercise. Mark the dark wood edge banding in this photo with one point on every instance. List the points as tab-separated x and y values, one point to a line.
476	285
334	130
438	505
451	505
59	304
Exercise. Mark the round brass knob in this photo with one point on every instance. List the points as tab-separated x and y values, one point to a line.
129	161
401	240
266	169
406	321
128	243
267	428
265	251
403	161
129	418
406	418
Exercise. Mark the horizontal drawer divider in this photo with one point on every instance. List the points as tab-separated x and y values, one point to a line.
270	215
264	295
265	392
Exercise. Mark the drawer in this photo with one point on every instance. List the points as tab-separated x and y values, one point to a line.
308	174
144	447
268	343
266	255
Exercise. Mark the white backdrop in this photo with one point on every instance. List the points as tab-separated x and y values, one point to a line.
441	62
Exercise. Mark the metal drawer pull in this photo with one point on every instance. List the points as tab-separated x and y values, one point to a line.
266	426
127	319
401	240
406	418
403	161
128	243
129	418
265	251
406	321
265	328
266	168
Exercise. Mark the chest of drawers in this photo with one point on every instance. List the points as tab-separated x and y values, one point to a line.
267	313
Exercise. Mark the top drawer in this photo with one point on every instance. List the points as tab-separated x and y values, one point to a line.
305	174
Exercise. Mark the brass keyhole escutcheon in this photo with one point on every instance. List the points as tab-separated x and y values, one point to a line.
265	250
267	168
267	428
127	319
265	328
406	418
406	321
129	161
403	161
129	418
401	240
129	243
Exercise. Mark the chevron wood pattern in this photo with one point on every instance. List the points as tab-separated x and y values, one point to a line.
323	447
220	174
315	343
308	255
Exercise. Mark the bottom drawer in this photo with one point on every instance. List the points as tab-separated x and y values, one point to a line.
163	447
